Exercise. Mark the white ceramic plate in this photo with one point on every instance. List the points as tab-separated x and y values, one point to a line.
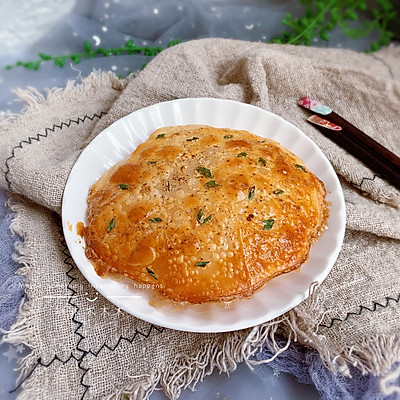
121	138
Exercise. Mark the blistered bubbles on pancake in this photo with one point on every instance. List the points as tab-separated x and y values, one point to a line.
206	214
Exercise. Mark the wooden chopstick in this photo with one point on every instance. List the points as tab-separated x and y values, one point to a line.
365	141
384	162
345	140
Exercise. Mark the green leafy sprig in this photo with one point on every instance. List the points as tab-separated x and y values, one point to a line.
321	17
89	52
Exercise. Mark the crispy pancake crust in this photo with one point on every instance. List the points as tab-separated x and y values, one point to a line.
205	214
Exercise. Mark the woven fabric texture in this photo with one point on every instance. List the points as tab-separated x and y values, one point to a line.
351	319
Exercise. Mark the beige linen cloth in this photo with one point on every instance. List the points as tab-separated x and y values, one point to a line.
91	349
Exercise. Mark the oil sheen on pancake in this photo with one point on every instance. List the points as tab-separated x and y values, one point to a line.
204	214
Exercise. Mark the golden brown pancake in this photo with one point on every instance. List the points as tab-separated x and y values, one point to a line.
205	214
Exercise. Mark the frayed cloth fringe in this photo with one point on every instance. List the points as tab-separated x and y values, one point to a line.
33	99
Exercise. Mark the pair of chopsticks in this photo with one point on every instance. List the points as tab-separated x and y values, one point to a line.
369	151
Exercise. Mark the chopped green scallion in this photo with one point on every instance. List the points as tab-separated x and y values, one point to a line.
268	224
243	154
110	225
155	220
206	219
301	167
123	186
199	215
151	273
202	263
161	135
252	192
262	161
205	172
211	184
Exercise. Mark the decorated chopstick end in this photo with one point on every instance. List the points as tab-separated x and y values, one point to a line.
314	105
315	119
